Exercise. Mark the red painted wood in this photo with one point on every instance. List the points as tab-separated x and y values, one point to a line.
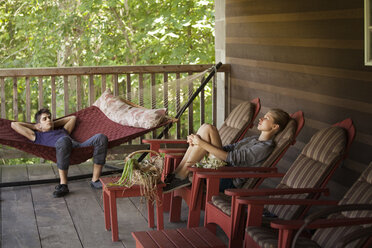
170	163
193	238
233	225
155	143
186	193
321	223
198	237
209	237
161	239
113	215
266	192
110	193
106	210
144	240
175	205
177	239
173	150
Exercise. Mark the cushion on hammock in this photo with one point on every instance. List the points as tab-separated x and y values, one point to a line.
89	121
120	112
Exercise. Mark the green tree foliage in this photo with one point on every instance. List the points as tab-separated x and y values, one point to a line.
49	33
63	33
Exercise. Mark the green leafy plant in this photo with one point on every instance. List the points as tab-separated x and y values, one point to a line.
146	174
210	162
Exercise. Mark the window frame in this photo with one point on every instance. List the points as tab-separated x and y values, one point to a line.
367	33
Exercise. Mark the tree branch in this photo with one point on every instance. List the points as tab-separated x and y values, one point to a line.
123	27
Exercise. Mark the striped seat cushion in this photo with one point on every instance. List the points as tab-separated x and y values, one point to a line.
282	140
235	123
359	193
268	238
223	202
311	167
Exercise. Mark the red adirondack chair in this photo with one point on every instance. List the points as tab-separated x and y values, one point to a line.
359	198
340	226
239	121
193	195
307	177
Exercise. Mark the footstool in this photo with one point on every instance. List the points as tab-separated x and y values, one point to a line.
182	237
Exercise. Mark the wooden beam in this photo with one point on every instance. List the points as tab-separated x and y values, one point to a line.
83	70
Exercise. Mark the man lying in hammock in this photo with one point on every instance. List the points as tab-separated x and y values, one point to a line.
251	151
49	133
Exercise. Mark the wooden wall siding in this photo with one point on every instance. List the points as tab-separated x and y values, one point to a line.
304	55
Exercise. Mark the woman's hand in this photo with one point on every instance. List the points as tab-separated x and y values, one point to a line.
189	140
194	139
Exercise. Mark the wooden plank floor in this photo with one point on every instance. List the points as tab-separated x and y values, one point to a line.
31	217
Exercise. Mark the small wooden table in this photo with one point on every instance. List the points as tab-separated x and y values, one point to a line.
183	237
109	204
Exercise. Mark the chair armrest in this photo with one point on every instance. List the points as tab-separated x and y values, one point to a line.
155	143
337	209
231	168
323	223
238	174
164	141
358	234
316	220
267	192
282	201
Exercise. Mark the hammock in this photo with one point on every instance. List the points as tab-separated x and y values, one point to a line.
89	122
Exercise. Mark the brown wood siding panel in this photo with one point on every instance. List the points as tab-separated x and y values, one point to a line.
325	29
329	86
298	42
299	16
360	152
337	58
307	69
288	6
314	110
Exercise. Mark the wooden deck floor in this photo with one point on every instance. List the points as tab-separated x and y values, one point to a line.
31	217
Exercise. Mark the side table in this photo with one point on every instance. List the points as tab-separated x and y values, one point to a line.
110	210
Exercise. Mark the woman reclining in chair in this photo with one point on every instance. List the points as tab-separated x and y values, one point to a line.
251	151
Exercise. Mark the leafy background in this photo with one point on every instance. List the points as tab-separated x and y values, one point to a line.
64	33
54	33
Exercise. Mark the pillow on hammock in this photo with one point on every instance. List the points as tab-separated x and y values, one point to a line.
119	111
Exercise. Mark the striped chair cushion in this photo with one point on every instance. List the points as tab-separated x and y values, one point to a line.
268	238
281	141
223	202
360	192
311	167
328	237
235	123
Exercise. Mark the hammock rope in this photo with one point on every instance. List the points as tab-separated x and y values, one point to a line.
173	87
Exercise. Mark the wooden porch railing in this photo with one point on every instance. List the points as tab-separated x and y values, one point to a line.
57	88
